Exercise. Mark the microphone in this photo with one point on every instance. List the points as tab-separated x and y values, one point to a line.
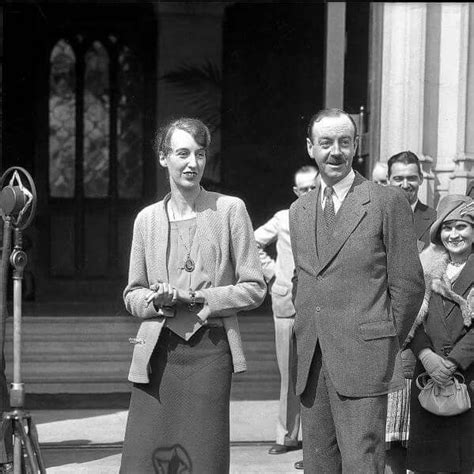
17	201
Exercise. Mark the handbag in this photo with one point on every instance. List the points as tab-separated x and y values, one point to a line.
443	400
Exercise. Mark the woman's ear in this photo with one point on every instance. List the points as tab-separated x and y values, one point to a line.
162	160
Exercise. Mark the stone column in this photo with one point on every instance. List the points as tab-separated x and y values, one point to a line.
1	87
403	76
452	159
457	67
468	162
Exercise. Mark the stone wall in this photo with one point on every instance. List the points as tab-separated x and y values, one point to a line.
1	85
427	91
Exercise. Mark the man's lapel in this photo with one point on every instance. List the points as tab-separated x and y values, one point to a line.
422	219
349	215
309	225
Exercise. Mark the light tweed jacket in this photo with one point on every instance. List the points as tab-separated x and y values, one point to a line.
229	254
277	229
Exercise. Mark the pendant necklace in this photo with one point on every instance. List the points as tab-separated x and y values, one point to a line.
189	264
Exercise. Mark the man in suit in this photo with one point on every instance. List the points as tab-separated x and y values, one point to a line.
278	273
358	287
404	171
470	189
380	173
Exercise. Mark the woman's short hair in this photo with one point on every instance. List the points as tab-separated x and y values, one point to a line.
195	127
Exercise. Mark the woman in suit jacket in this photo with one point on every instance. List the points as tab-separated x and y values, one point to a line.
444	340
194	264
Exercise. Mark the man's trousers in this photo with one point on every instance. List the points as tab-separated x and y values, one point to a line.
341	434
288	423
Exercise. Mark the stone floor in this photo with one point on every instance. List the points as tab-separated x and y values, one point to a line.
89	441
245	459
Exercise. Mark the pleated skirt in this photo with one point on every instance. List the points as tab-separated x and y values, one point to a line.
179	421
398	416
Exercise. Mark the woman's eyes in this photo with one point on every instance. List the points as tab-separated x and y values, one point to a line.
185	154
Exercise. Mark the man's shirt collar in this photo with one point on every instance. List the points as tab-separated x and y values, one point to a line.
341	188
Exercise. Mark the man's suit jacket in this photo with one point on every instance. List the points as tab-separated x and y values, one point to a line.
424	216
361	299
470	189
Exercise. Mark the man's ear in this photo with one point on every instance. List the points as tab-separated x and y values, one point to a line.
162	160
295	190
309	147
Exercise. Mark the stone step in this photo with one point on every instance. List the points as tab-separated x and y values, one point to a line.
90	353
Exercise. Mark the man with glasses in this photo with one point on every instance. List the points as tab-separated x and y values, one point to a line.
278	273
379	173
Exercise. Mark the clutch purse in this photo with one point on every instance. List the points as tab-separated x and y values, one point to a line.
443	400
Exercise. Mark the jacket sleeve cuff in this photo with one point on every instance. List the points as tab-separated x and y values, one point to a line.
420	341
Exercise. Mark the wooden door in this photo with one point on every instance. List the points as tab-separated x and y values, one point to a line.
91	119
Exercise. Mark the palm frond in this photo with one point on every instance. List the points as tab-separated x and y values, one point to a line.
201	86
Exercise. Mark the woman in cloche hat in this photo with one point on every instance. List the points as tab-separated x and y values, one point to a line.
442	338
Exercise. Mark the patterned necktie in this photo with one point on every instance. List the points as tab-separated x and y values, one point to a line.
329	213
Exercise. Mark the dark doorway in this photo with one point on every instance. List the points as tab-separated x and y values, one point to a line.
79	112
273	83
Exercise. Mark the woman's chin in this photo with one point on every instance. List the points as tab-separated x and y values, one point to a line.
458	250
188	184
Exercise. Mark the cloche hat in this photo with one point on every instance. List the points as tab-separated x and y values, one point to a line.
453	207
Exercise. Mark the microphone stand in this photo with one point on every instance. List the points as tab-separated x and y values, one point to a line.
16	200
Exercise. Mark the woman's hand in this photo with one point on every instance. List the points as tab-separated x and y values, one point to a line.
450	365
438	368
162	294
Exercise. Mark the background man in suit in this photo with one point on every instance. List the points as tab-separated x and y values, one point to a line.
380	173
359	285
470	189
278	273
404	170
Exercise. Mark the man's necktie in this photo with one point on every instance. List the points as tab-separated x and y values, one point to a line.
329	213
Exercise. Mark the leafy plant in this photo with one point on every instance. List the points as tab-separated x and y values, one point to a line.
201	86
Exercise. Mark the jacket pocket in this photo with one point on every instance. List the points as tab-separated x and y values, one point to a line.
377	330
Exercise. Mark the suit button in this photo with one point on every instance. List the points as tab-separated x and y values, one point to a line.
318	309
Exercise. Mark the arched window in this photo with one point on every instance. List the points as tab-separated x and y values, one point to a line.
130	133
62	121
95	120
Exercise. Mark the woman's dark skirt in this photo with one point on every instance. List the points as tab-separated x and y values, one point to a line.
179	422
440	443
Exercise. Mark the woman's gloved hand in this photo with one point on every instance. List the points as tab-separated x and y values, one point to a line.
438	368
